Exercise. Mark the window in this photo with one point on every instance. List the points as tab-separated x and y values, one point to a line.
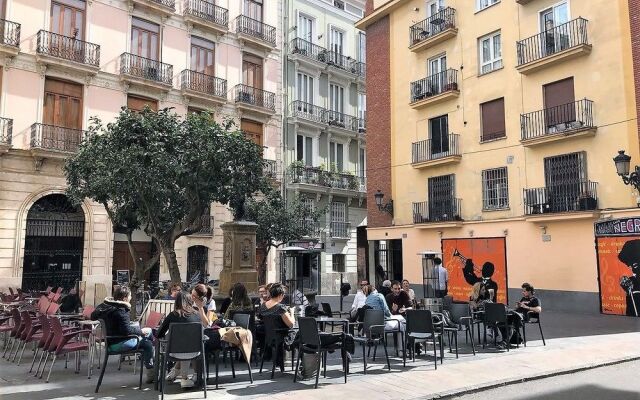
253	9
336	98
338	262
482	4
439	134
490	53
492	114
252	130
144	39
336	156
67	18
305	88
305	27
495	189
252	71
202	56
62	104
338	4
304	150
136	103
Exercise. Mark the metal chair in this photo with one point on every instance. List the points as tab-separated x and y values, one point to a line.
373	334
310	343
420	328
184	344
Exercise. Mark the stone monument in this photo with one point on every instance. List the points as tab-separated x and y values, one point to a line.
239	256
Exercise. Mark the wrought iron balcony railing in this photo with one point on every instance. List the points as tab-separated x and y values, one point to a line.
207	11
50	137
146	68
308	111
270	169
68	48
341	120
432	26
434	84
257	29
307	49
254	96
340	229
558	198
6	131
440	210
552	41
558	120
433	149
10	33
203	83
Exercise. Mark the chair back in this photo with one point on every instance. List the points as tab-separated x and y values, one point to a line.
495	313
419	321
274	329
53	308
87	311
326	309
373	323
153	320
185	337
458	311
242	320
308	332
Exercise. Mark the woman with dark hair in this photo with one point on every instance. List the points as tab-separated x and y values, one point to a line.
240	301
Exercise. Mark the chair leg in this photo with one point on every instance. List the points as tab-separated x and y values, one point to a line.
104	366
541	334
51	368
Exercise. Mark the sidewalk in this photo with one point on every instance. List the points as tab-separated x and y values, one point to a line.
418	380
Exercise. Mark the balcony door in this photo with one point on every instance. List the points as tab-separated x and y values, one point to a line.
67	18
441	198
252	71
202	56
564	176
554	39
144	39
437	67
439	135
62	104
559	105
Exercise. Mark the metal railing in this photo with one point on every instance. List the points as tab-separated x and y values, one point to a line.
557	198
50	137
557	120
203	83
255	28
207	11
308	111
340	229
254	96
430	149
308	49
68	48
435	24
6	131
552	41
146	68
10	33
270	169
341	120
434	84
444	210
167	3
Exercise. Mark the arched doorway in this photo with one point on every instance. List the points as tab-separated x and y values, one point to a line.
197	258
53	244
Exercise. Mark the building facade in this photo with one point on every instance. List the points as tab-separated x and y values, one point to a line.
65	61
324	135
492	125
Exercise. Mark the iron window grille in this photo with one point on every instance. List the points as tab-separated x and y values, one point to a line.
495	189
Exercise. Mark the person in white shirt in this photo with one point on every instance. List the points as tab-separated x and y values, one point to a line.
358	300
443	278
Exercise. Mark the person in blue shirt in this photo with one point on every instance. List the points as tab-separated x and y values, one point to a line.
376	301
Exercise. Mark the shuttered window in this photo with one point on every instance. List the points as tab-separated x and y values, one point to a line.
493	125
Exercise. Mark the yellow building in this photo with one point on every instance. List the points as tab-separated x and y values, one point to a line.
499	119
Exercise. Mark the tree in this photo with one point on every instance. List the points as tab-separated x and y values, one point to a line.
159	172
279	223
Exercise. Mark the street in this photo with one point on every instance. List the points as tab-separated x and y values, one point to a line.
615	382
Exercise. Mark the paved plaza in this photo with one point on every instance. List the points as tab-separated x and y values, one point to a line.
574	343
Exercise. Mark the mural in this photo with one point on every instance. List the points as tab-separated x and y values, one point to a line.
473	260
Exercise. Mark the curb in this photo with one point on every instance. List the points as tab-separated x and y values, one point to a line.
450	394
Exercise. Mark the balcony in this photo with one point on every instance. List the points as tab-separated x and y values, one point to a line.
9	38
307	113
49	141
256	32
580	197
207	15
559	44
254	99
6	133
434	89
146	72
270	169
340	230
164	7
433	30
557	123
341	122
430	152
305	51
341	183
69	52
203	87
443	212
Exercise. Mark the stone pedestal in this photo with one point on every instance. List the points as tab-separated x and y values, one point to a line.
239	256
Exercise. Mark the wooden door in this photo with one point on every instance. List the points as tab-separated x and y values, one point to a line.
559	103
252	71
62	104
202	56
144	39
252	130
136	103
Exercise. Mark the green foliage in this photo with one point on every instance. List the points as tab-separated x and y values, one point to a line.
158	172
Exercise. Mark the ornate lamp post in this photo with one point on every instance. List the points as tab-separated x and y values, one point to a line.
623	164
379	196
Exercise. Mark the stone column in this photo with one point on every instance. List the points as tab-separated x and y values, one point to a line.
239	256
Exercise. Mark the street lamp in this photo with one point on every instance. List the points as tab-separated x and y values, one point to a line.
623	165
379	196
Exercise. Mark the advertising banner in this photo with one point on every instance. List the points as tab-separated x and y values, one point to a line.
474	260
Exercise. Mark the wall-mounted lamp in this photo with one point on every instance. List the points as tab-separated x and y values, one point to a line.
388	207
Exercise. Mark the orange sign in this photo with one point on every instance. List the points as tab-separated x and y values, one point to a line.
611	270
489	259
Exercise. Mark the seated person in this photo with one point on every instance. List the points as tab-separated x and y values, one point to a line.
398	300
173	292
240	301
115	313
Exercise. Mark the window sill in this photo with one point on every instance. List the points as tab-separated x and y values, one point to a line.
490	72
487	7
496	209
493	140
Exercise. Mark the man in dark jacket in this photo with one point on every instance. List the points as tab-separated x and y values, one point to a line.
115	313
